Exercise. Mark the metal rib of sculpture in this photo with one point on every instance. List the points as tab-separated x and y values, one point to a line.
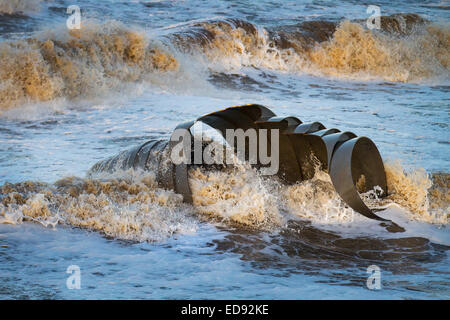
346	157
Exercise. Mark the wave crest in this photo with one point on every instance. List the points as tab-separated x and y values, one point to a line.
127	206
427	199
87	62
406	49
99	58
130	206
356	52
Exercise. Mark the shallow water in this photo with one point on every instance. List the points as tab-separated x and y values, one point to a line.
49	133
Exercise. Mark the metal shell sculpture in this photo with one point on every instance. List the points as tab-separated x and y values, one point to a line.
346	157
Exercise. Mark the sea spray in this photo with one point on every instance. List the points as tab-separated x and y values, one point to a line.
427	199
100	58
129	205
237	195
77	63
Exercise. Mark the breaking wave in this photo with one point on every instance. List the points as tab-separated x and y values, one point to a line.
101	57
77	63
238	195
130	206
406	49
426	197
127	206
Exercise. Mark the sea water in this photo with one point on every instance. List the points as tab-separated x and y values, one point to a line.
136	69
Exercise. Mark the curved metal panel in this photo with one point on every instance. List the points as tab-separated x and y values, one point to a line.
352	162
309	127
344	164
143	154
325	132
333	140
310	152
181	179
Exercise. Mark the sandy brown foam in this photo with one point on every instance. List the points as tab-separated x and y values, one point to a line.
126	206
427	198
98	58
237	195
406	49
357	52
78	63
242	196
130	206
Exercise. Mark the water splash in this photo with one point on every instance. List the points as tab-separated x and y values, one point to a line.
126	206
425	199
73	63
100	58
